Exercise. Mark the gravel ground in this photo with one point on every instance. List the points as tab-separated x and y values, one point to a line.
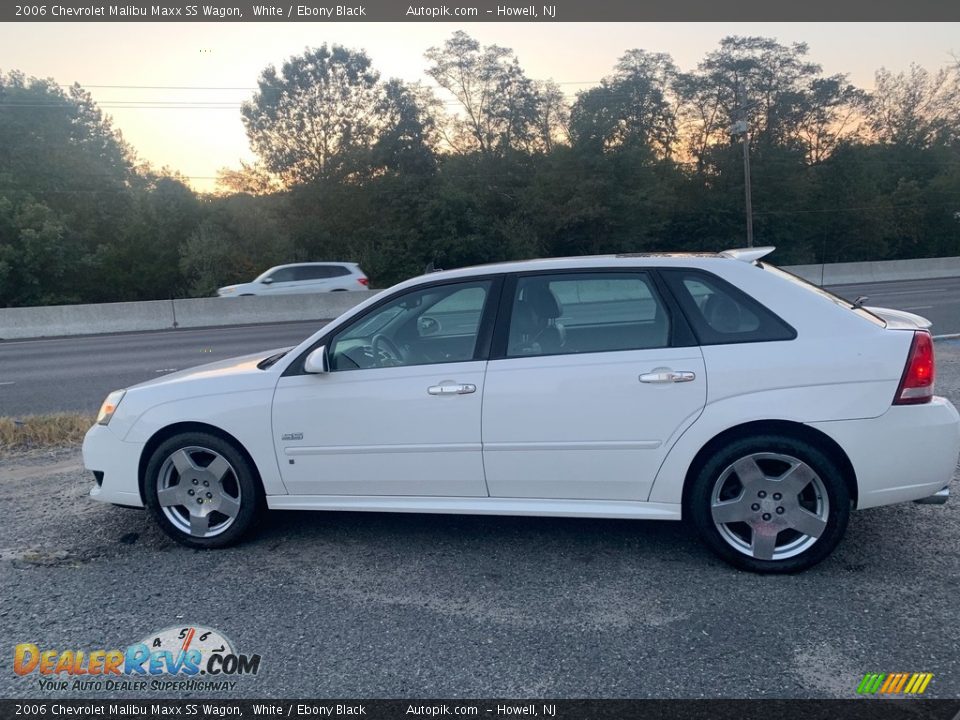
366	605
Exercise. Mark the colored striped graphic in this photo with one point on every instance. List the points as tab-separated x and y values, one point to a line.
894	683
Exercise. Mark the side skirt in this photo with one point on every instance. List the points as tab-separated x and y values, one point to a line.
479	506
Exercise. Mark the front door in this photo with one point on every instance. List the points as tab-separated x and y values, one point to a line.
399	411
590	393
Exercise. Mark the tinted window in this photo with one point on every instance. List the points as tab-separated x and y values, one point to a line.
584	313
287	274
320	272
433	325
720	313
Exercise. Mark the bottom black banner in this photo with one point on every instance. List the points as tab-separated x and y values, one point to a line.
862	709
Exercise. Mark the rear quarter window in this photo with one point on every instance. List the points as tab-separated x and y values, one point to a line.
720	314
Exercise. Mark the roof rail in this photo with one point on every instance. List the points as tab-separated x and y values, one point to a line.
748	255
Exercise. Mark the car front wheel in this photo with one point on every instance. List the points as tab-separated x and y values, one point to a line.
201	490
770	504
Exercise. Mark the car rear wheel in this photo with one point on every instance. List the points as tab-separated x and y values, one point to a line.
201	490
770	504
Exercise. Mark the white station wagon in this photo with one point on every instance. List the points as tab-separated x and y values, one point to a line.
712	387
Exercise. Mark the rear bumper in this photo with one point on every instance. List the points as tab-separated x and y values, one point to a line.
908	453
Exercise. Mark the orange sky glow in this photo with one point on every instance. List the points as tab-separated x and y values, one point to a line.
183	82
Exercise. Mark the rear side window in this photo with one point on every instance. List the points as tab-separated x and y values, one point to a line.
586	313
720	313
320	272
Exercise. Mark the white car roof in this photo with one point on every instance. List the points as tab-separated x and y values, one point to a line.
665	259
311	264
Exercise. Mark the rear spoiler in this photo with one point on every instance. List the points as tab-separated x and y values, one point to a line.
748	255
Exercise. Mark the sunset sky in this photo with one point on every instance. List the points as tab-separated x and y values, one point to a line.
217	64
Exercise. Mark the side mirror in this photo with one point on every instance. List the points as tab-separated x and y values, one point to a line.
267	281
317	361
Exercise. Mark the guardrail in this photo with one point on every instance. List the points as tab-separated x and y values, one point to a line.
61	320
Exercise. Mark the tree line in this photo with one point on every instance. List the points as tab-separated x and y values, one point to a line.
483	164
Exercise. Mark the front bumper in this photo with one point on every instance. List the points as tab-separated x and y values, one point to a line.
118	462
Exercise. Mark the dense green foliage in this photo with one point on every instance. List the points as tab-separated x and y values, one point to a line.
486	165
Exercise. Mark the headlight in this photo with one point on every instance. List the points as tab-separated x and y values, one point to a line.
226	291
109	406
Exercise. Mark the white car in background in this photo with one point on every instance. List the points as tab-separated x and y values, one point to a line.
713	387
312	277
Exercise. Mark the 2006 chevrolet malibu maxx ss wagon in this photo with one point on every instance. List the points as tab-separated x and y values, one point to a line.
709	386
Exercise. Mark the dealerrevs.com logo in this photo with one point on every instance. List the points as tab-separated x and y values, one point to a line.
174	659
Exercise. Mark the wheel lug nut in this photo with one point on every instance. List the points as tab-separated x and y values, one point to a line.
190	491
777	496
779	511
755	507
199	501
762	494
196	482
206	483
209	495
766	516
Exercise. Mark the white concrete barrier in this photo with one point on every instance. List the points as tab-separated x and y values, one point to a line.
60	320
878	271
250	309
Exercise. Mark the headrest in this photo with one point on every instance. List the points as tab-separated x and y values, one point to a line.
722	313
542	299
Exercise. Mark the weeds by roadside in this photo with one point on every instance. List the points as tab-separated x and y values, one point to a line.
32	432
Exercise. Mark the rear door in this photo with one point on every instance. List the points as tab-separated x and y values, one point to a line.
589	384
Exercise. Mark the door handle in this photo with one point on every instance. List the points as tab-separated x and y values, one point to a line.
452	389
663	375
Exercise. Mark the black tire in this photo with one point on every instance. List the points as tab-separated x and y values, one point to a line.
240	483
769	453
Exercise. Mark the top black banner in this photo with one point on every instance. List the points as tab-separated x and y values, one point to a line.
481	11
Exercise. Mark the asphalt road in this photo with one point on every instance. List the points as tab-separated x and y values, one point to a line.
407	606
76	373
61	374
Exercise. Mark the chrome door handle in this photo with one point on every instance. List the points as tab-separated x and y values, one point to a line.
667	376
452	389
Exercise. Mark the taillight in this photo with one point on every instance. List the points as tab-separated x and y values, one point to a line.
916	385
363	281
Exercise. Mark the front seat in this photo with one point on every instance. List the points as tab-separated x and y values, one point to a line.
538	313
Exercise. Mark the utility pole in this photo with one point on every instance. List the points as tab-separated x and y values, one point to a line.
742	127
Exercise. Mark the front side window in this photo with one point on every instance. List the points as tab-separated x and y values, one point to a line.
586	313
287	274
435	325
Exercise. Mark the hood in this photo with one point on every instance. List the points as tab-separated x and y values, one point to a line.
900	319
229	368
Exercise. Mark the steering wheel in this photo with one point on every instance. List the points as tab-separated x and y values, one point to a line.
384	347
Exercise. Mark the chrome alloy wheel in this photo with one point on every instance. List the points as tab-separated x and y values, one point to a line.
198	491
769	506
